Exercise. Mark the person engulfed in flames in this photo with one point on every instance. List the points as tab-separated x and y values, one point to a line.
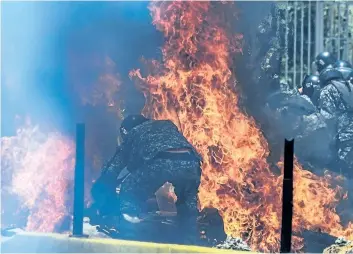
152	153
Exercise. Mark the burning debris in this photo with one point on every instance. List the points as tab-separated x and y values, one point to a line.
341	246
233	244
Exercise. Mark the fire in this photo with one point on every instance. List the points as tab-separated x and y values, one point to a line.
193	86
40	169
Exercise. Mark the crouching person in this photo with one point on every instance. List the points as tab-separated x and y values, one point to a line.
152	153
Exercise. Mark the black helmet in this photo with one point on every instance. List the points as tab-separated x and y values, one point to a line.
324	60
131	122
329	74
309	84
342	63
345	72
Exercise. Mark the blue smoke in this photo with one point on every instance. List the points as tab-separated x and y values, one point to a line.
36	37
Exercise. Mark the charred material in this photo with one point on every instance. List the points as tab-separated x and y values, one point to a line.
341	246
233	244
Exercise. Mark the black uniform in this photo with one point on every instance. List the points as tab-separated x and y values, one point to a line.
150	154
336	106
146	152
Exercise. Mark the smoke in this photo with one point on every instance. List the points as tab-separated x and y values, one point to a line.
54	52
68	62
65	62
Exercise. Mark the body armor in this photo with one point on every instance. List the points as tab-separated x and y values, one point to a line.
346	91
335	106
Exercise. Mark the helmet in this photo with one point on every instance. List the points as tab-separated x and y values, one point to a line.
322	61
345	71
309	84
342	63
329	74
131	122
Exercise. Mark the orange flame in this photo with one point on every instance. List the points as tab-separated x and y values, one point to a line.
193	86
41	167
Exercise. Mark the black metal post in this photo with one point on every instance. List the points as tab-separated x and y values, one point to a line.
287	199
77	229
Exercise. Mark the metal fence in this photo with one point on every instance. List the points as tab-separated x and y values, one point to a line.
312	27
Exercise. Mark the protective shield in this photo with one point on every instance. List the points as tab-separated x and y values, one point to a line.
300	105
276	99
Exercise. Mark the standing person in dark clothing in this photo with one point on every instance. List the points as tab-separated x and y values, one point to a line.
322	61
152	153
336	106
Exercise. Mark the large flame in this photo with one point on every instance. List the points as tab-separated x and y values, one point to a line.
194	87
40	169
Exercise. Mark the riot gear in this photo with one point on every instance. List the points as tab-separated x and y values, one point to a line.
131	122
310	83
345	72
322	61
336	106
328	75
152	153
346	93
342	63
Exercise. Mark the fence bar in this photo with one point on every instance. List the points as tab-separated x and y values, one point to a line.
295	47
79	181
339	30
332	29
287	199
302	6
319	27
309	39
346	46
286	43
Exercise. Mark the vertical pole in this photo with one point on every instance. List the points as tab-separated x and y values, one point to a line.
302	6
295	86
339	30
79	181
287	199
319	27
286	41
346	33
309	39
332	37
